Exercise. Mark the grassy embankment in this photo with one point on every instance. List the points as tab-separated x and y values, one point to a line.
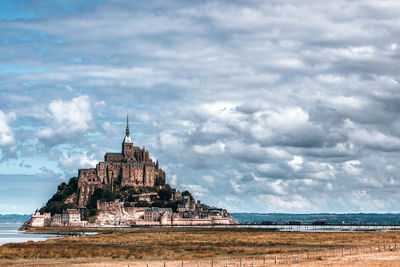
186	243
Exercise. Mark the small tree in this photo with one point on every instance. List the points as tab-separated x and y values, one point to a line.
165	193
187	193
142	204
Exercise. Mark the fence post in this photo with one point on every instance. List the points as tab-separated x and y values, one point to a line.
240	262
164	264
276	261
298	257
226	262
350	251
198	263
308	256
212	263
182	263
252	262
287	259
342	252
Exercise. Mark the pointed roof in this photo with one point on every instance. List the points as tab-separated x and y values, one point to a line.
127	138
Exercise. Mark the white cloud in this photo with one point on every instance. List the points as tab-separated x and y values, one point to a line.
270	125
287	118
208	179
352	167
295	203
278	153
278	187
374	139
296	163
349	102
68	117
170	141
372	182
6	133
211	149
365	202
196	190
75	161
172	179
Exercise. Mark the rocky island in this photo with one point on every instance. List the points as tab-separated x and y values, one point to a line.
126	189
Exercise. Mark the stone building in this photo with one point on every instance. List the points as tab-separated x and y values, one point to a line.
132	167
56	220
71	217
40	220
155	214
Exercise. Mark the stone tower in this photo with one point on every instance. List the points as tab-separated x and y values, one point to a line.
127	145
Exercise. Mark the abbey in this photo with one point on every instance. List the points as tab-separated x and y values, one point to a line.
132	167
130	190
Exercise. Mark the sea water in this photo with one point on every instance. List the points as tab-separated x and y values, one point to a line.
328	218
9	234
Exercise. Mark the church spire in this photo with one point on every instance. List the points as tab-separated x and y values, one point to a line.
127	125
127	138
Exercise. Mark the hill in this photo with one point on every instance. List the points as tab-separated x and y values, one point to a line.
162	196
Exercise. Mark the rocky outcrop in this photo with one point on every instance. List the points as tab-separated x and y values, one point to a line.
114	213
71	199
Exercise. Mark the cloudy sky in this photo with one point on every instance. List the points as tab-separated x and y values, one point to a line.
256	106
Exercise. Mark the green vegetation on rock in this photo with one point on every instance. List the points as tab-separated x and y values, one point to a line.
161	196
58	202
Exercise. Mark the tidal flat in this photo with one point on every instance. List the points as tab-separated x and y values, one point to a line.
169	244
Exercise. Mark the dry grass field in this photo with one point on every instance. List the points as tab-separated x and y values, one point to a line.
182	244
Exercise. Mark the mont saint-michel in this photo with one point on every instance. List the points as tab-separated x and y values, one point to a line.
127	188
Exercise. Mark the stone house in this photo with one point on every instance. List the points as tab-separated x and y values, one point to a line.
154	213
72	217
56	220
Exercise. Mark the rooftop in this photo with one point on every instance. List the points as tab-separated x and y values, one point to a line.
114	154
